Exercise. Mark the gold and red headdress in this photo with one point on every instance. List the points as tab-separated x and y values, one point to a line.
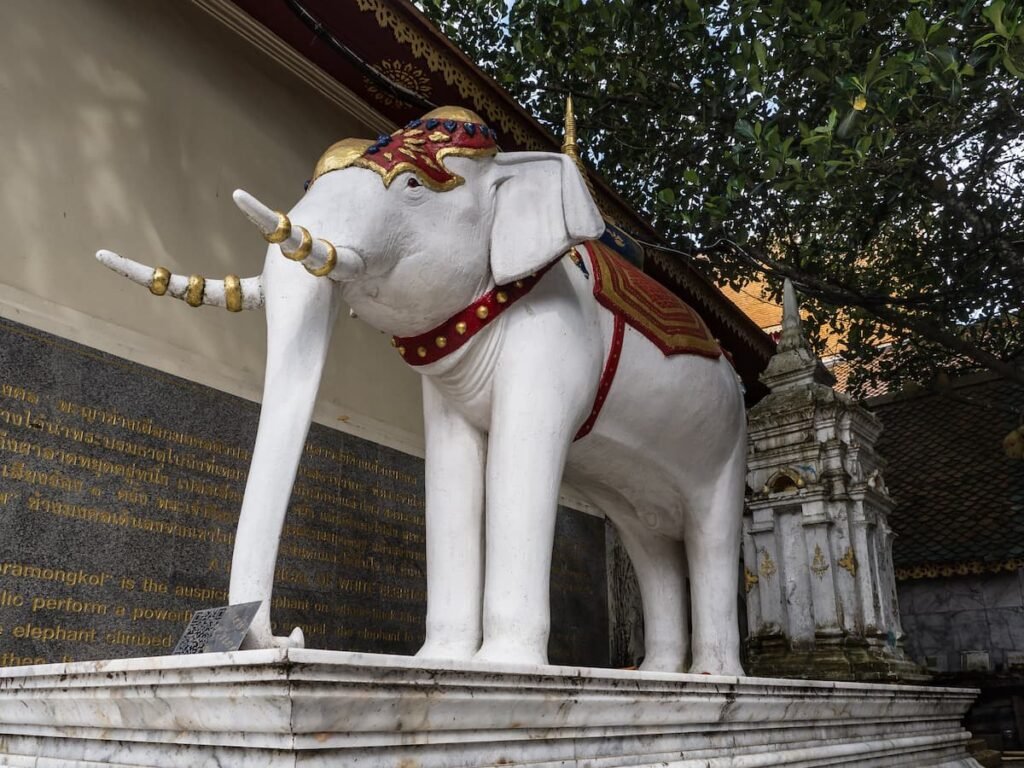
420	147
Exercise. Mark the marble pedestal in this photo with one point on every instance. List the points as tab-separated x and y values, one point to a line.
325	708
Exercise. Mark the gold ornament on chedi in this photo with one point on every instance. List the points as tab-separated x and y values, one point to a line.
819	565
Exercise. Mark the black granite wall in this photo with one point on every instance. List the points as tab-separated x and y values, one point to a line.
119	494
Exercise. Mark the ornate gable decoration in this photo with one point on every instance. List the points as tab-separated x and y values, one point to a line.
420	147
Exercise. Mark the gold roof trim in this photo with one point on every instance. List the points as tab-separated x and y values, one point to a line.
933	571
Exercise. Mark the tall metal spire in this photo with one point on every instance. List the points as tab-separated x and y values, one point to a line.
570	146
569	142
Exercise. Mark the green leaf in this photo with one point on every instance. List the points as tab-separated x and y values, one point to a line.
994	13
667	196
1012	67
817	75
955	91
873	64
986	38
745	129
946	57
916	27
760	53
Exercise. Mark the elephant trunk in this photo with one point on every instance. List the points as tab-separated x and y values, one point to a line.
318	256
233	293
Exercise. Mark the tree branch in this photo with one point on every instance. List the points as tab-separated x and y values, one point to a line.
844	296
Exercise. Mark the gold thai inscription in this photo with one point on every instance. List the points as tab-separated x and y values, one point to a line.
354	531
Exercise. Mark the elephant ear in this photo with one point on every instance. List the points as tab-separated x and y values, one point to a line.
542	207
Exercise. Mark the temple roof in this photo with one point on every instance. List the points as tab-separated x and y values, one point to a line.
753	300
959	498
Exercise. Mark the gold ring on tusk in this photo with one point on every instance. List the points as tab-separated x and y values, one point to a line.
328	267
305	246
283	230
233	293
159	282
194	292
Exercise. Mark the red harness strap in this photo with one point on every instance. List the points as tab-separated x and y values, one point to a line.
607	376
454	332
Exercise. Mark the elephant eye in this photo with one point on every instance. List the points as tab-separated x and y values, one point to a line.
413	182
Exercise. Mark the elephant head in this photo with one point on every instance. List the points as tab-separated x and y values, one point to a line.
426	219
408	230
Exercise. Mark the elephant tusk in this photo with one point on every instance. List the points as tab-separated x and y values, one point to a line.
233	293
275	227
320	257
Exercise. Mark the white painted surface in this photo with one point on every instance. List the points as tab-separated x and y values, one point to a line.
322	708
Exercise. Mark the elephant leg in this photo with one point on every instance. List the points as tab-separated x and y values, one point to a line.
454	517
528	442
300	315
714	554
660	566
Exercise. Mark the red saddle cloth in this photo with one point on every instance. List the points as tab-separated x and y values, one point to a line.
648	306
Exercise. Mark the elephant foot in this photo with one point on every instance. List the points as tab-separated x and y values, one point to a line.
667	663
728	668
255	640
295	640
438	650
510	653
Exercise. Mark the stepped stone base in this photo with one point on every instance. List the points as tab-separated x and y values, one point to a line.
326	708
832	659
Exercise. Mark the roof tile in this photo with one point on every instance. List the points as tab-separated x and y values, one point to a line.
958	496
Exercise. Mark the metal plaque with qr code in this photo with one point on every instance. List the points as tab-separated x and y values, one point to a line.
217	630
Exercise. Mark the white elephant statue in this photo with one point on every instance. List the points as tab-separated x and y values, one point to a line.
528	375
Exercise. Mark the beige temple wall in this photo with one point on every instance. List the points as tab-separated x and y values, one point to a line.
126	124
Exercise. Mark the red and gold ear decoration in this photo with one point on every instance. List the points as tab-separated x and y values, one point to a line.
420	147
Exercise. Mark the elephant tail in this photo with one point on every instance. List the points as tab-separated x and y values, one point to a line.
233	293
